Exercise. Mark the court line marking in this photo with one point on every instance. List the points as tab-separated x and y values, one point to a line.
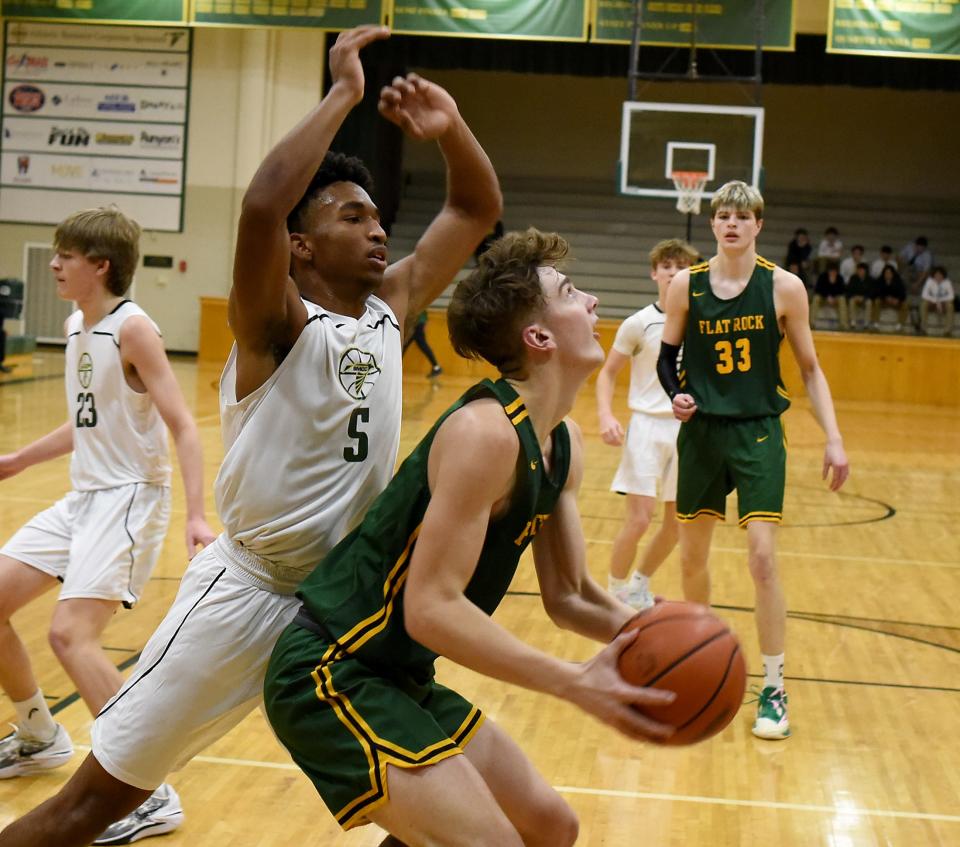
648	795
873	560
844	811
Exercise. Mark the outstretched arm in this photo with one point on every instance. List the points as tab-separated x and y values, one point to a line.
50	446
792	305
142	348
466	486
265	309
473	203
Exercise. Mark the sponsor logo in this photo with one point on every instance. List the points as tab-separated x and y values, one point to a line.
27	98
23	165
65	171
697	293
71	101
151	139
85	370
86	66
358	372
27	61
69	137
112	176
762	439
116	103
159	177
160	106
114	138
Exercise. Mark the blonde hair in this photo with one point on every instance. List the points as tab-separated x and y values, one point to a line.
740	196
104	233
672	248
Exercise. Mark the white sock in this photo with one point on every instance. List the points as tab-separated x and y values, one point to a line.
34	718
641	581
615	584
773	671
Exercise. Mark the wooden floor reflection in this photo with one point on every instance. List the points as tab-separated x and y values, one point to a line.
872	577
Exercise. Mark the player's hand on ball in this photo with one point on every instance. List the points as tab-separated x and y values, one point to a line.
602	692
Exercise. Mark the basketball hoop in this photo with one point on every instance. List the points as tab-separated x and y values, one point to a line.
689	185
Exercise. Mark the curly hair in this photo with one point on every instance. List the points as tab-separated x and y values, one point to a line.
490	307
103	233
335	167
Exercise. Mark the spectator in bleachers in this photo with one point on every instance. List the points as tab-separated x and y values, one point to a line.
849	265
829	250
797	260
916	260
937	296
885	258
830	290
860	293
890	291
4	369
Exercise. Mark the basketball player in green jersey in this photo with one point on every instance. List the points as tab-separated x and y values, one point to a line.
350	687
730	314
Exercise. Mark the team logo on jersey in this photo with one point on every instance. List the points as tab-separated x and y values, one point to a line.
358	372
85	370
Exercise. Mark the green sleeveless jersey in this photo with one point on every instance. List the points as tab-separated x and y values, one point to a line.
731	348
356	593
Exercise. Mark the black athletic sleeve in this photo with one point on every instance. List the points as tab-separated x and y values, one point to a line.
667	368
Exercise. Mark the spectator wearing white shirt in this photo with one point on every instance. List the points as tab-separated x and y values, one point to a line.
848	266
885	259
937	296
830	249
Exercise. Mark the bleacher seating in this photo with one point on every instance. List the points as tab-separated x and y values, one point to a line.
610	235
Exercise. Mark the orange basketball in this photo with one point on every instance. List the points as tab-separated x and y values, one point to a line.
685	648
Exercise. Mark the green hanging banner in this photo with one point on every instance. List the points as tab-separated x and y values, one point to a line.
100	11
319	14
725	24
531	20
908	28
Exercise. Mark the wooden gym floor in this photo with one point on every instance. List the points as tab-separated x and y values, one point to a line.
872	577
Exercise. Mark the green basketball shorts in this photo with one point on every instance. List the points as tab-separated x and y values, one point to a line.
343	723
718	455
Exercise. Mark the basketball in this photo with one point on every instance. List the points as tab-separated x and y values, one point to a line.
685	648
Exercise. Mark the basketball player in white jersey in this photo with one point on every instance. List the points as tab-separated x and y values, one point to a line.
102	540
649	458
310	404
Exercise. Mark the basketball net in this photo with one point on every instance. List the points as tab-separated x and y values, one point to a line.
689	185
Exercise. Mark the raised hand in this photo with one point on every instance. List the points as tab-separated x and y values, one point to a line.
345	66
422	109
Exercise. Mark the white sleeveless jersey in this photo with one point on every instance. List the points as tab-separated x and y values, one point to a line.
639	337
309	450
118	434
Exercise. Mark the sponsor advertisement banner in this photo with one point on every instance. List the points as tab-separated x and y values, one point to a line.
90	173
915	28
94	112
60	100
322	14
545	20
722	24
120	11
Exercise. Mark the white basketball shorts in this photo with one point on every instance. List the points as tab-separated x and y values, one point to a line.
200	674
649	457
100	544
